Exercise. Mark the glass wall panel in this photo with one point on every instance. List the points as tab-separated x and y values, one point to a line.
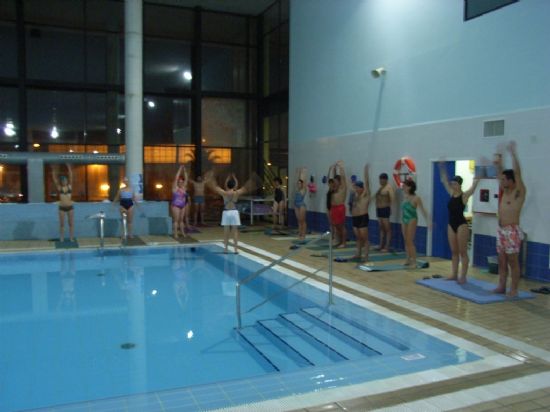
96	58
8	45
224	69
252	70
167	120
10	183
224	122
167	66
283	57
224	28
67	13
271	63
226	160
271	17
9	121
55	117
7	10
105	15
165	21
55	54
253	31
96	118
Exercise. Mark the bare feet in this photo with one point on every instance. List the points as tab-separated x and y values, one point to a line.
452	278
461	280
512	293
499	290
384	250
341	245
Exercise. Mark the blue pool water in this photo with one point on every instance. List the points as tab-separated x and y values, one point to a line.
78	326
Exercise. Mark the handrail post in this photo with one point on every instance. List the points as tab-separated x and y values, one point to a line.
238	300
125	227
330	261
101	229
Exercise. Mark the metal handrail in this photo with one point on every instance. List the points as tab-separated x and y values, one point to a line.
101	217
276	262
124	228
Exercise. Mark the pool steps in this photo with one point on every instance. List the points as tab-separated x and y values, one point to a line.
314	337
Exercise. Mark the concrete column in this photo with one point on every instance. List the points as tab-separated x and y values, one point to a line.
35	180
133	64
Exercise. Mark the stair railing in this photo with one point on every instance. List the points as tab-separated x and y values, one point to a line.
276	262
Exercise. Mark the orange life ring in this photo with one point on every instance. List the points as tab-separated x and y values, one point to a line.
410	167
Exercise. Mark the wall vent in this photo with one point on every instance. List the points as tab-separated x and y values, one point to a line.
493	128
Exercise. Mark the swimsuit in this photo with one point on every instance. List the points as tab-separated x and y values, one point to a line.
126	200
409	212
360	221
199	200
338	214
456	212
278	195
383	212
509	239
299	200
65	190
179	198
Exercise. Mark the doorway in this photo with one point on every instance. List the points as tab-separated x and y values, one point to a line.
464	169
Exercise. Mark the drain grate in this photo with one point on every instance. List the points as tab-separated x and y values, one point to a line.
128	345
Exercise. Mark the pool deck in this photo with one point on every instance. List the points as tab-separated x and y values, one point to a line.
519	330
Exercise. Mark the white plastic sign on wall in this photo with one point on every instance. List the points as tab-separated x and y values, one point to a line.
486	196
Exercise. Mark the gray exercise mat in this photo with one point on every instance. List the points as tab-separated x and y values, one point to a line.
420	264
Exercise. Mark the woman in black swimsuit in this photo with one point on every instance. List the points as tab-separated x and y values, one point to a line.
279	203
458	232
64	190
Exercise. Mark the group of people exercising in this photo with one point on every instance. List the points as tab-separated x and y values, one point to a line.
509	234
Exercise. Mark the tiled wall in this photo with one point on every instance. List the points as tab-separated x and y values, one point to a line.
537	262
317	222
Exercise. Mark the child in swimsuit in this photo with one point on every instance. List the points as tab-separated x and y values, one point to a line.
410	219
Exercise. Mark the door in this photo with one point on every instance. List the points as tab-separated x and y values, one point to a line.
440	243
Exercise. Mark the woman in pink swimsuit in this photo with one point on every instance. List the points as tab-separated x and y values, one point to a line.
179	203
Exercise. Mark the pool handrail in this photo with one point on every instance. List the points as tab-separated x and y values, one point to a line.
101	217
276	262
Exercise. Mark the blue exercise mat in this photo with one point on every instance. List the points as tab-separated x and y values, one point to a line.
474	290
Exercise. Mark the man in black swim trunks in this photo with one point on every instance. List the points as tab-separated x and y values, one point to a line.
360	214
385	197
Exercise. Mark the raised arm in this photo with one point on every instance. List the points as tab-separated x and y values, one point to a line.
342	172
210	182
515	165
444	178
366	180
497	162
301	175
178	174
466	195
70	174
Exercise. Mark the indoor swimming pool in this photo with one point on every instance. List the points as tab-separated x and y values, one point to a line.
156	328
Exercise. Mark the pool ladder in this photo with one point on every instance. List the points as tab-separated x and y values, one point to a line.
101	218
276	262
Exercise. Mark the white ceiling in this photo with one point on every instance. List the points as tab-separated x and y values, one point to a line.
249	7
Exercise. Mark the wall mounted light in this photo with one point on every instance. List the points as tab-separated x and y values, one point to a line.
376	73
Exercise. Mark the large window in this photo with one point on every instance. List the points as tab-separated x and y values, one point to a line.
224	122
200	79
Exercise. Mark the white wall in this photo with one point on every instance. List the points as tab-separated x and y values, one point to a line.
444	78
457	139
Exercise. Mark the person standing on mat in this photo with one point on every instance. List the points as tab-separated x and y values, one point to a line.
337	202
509	234
458	232
64	188
231	219
198	200
299	203
279	204
409	222
179	204
385	196
127	198
328	204
360	214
